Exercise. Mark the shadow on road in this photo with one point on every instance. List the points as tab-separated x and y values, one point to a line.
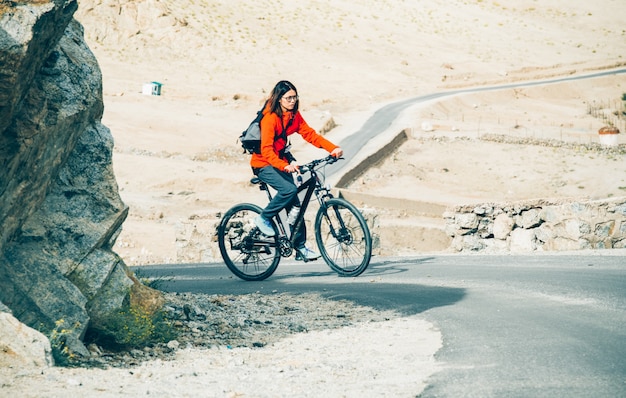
405	298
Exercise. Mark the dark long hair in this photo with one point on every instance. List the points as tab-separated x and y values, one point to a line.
277	93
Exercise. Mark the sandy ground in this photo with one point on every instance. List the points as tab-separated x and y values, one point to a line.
177	160
399	352
176	157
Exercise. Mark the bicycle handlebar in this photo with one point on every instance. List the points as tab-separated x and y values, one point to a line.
330	159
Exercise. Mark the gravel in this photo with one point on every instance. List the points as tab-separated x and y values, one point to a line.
264	346
251	320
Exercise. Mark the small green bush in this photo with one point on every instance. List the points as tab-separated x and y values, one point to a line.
61	353
134	328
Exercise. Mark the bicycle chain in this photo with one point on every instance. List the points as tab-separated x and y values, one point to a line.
284	246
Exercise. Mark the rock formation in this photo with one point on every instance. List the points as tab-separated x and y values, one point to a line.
60	209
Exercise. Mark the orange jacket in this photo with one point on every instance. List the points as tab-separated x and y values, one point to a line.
271	144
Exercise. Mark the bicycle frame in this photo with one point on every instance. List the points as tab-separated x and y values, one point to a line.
311	185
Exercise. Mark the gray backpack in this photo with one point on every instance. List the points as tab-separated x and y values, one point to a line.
250	138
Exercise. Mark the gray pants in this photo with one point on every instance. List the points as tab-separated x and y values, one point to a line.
286	197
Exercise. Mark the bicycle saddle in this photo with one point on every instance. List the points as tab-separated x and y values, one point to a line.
257	180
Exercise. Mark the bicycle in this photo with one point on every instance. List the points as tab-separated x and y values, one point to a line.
341	233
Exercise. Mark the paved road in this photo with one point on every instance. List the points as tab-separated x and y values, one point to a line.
513	326
550	325
382	119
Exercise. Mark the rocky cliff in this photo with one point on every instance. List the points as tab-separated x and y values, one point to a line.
60	209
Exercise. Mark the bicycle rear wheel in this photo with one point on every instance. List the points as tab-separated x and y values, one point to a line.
343	237
248	253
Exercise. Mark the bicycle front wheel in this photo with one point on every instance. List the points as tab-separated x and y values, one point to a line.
343	237
248	253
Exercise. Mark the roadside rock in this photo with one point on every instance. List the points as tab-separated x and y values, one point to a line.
21	346
60	209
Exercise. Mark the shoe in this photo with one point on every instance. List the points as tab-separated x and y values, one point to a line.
305	254
264	225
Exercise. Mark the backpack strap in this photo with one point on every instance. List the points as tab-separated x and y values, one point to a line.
283	135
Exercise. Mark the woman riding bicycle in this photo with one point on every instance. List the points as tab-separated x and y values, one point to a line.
275	164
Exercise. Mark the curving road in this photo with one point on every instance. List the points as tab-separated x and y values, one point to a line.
382	119
551	325
540	325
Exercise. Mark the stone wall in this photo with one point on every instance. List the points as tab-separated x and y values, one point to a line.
539	225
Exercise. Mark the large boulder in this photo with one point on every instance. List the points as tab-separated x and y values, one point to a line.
60	208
